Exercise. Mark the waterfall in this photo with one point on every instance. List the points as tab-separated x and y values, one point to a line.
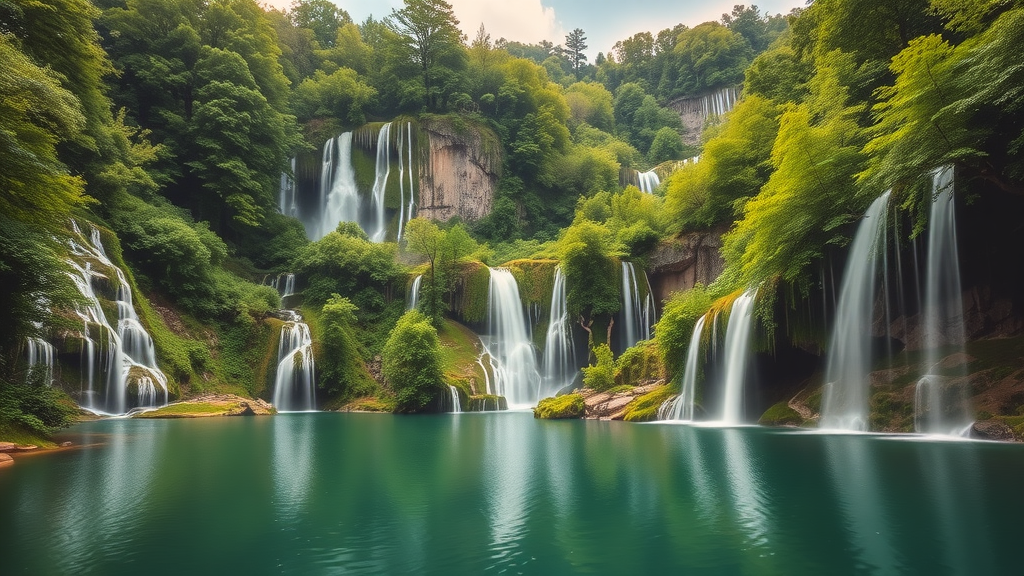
380	182
559	350
412	191
42	357
737	341
296	370
287	203
845	402
639	317
941	403
512	358
338	190
648	181
414	293
289	286
456	404
130	355
683	405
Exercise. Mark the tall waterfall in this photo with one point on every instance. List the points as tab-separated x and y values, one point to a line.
845	402
648	181
682	407
287	203
42	358
414	293
559	350
737	341
338	191
404	210
296	370
513	361
380	183
942	404
130	358
408	215
638	317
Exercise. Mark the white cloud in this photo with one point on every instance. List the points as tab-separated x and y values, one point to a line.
527	21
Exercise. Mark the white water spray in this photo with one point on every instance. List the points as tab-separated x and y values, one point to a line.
737	342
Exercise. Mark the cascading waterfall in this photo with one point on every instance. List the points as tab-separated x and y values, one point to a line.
559	350
508	343
845	402
941	402
456	403
648	181
380	182
339	193
131	356
639	317
42	357
414	293
718	102
737	341
296	370
682	406
404	211
412	189
287	203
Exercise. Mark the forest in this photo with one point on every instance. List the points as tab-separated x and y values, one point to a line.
152	137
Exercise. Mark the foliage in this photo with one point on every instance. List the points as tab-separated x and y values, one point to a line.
33	407
639	363
412	363
444	250
350	265
431	38
340	367
590	273
560	407
675	327
710	56
600	376
575	45
341	94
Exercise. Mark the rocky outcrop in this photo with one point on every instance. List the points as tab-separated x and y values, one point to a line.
678	264
612	405
6	460
459	168
992	430
694	111
209	405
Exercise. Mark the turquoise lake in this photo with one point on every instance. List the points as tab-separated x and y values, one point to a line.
502	493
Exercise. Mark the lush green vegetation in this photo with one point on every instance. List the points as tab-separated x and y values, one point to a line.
560	407
168	123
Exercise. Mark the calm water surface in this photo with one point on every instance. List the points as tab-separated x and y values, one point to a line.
505	494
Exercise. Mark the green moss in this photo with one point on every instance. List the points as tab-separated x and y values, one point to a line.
536	280
13	433
185	409
780	414
645	408
890	413
459	347
561	407
621	388
639	363
471	292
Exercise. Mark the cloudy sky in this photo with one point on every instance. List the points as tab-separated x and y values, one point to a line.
604	21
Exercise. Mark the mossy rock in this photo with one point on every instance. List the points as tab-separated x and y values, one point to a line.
561	407
780	414
487	403
645	408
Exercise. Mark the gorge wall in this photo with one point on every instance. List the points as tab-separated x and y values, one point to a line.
694	111
459	168
676	265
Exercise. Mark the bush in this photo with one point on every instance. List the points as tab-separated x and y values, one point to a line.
340	365
560	407
600	376
412	363
673	332
35	408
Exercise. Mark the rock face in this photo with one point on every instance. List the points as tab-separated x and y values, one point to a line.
459	169
678	264
695	110
991	430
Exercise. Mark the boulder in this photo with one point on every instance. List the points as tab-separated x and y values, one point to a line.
7	447
991	430
5	460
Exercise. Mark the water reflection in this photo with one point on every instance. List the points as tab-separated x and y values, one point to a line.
748	494
507	471
292	463
855	480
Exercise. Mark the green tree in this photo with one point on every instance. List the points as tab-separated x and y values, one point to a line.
590	273
666	146
709	56
341	94
412	363
323	17
341	369
575	45
432	38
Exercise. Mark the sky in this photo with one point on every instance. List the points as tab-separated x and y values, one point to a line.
604	21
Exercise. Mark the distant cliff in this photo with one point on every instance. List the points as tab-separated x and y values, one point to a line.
694	111
460	164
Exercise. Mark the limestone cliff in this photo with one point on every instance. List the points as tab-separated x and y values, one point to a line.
459	168
695	110
678	264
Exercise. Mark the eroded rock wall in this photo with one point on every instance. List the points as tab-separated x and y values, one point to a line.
679	264
459	170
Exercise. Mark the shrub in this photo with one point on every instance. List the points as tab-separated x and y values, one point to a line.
412	363
600	376
560	407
